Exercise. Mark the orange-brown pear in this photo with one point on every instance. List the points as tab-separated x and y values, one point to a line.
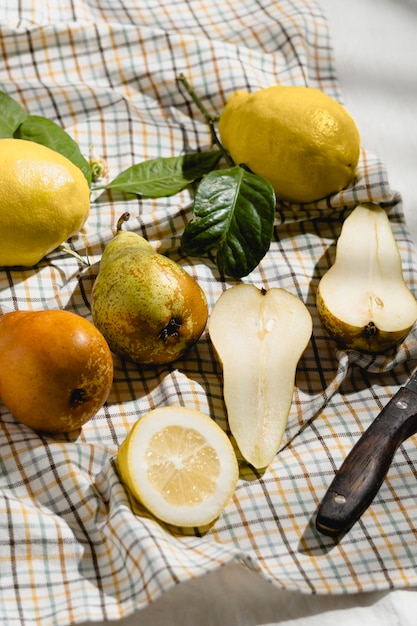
56	369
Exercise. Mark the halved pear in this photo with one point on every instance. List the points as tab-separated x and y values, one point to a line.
363	300
259	337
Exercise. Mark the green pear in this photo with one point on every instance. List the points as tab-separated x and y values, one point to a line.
363	300
149	309
259	337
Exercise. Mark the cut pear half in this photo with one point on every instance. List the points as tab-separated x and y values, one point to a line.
363	300
259	337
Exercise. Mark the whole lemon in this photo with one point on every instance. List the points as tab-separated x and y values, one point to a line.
44	200
301	140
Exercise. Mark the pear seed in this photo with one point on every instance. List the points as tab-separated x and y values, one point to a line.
270	325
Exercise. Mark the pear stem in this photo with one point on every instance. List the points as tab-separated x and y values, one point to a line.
122	219
209	119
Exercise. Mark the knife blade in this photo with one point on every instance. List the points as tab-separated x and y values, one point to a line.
363	471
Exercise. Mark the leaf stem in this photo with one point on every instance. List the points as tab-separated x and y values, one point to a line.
210	121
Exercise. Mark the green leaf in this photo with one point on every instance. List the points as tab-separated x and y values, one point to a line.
234	213
12	114
165	176
44	131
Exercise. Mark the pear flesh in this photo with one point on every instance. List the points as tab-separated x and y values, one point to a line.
363	300
259	337
149	309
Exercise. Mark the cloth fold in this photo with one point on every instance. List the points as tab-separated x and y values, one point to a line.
73	545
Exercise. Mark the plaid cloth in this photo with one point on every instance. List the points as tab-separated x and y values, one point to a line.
73	546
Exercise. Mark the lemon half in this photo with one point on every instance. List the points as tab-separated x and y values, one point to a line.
180	465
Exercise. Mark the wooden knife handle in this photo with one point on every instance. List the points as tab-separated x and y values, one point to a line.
360	476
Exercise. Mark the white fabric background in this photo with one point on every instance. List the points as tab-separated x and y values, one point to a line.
376	60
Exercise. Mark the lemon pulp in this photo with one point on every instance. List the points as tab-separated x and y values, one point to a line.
180	465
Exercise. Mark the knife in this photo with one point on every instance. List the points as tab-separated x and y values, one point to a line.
363	471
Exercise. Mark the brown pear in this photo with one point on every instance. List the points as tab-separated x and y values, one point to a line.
56	369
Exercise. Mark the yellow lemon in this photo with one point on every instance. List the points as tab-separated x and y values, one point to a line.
180	465
44	200
301	140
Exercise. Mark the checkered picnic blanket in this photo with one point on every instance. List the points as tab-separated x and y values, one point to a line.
73	547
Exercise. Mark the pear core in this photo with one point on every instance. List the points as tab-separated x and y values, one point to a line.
363	300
